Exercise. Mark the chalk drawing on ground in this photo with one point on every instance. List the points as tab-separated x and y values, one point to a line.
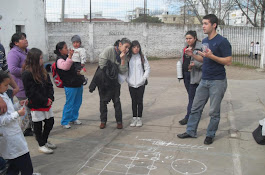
158	142
109	160
188	166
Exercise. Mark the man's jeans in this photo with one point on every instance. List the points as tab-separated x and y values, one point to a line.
215	90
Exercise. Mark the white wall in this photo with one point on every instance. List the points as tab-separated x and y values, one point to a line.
157	40
29	13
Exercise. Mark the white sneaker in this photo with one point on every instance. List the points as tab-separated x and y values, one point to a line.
45	150
66	126
77	122
50	145
36	174
133	122
139	122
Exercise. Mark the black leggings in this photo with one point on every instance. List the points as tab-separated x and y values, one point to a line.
137	95
20	164
42	136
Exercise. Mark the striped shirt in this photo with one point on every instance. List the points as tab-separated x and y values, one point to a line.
3	63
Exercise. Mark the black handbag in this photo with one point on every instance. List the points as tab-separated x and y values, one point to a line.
146	82
257	134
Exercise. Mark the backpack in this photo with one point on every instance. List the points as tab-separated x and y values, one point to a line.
257	134
56	78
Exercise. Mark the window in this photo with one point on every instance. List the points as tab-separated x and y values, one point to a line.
20	28
174	18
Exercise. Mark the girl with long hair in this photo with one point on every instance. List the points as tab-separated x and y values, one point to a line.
40	94
139	70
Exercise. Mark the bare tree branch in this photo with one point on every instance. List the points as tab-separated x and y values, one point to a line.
240	6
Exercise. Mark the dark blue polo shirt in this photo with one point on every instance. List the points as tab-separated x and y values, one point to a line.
220	47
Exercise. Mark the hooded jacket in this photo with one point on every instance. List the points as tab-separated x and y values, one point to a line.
37	93
136	74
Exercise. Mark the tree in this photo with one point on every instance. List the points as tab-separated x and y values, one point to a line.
253	8
148	19
217	7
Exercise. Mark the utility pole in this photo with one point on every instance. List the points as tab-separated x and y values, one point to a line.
220	11
62	13
185	12
90	13
145	10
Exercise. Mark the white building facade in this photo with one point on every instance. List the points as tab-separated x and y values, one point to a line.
24	16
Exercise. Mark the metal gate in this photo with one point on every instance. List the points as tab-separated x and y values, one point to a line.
241	39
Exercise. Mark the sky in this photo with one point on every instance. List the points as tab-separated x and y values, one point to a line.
109	8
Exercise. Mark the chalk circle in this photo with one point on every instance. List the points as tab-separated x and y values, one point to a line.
151	167
188	166
129	166
135	158
154	159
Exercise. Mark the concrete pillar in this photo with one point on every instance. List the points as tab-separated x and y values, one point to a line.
91	42
262	60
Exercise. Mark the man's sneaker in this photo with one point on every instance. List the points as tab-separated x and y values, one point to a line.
208	141
77	122
36	174
119	126
139	122
133	122
102	125
50	145
45	150
66	126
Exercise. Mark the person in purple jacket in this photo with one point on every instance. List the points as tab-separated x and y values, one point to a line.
15	60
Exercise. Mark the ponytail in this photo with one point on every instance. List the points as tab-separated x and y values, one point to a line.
59	46
15	38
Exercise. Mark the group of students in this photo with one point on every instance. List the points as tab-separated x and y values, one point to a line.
204	78
254	48
34	89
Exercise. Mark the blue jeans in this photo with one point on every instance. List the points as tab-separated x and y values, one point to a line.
215	90
72	104
191	89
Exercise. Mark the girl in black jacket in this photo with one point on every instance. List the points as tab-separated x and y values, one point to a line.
39	91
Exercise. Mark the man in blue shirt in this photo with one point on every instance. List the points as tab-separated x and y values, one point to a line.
213	84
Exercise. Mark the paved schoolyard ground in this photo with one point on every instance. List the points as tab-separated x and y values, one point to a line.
154	148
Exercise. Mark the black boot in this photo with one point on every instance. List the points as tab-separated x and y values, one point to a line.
183	121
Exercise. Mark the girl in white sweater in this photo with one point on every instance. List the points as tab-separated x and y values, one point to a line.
138	73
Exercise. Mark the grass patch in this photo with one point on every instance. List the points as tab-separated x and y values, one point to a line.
159	58
153	58
238	64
